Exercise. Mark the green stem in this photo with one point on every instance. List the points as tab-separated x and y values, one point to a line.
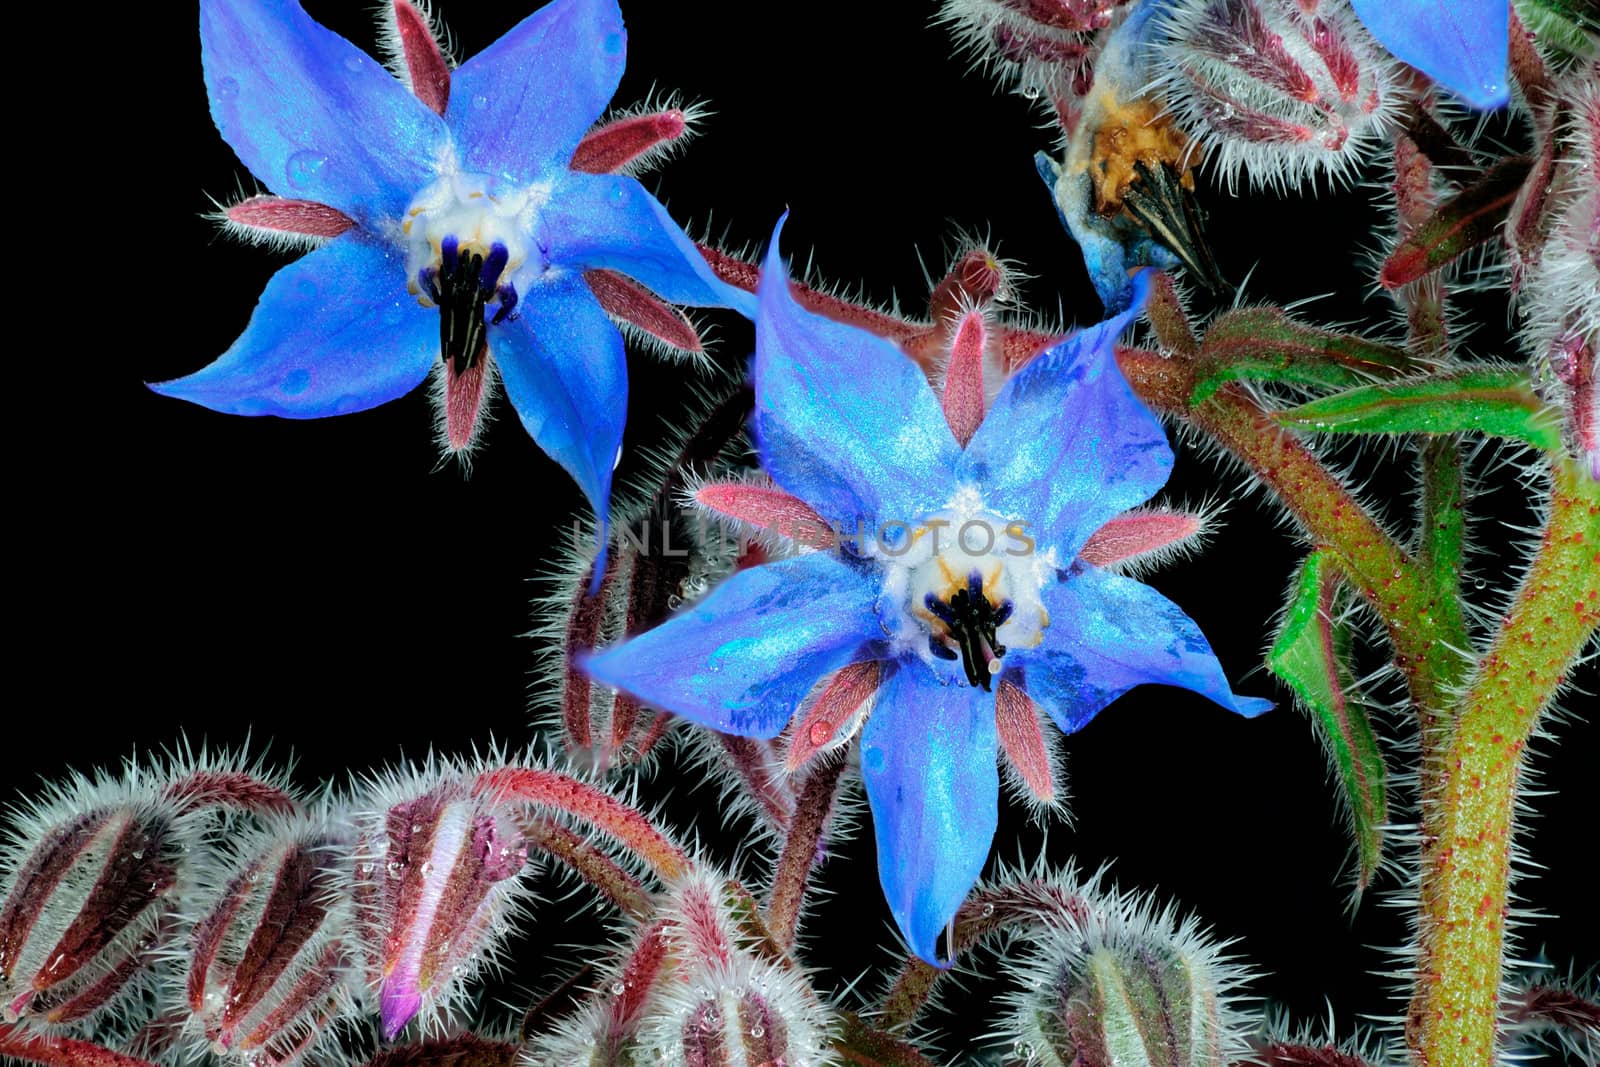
1469	815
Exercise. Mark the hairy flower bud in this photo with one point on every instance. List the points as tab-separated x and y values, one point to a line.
1037	46
1127	983
1280	90
693	991
1560	291
435	879
91	874
266	963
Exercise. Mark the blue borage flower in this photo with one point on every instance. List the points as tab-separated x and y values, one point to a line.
464	203
849	425
1461	44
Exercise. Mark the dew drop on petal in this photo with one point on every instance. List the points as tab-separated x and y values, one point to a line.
872	759
296	381
227	88
304	167
480	102
612	43
352	63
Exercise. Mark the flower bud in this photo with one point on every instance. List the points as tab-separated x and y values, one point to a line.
1124	983
435	879
1038	46
1281	90
87	899
268	959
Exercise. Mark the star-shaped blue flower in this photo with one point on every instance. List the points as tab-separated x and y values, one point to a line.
958	577
458	231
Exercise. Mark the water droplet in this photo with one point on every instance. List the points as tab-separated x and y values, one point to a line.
988	910
1478	583
416	828
227	88
617	988
296	381
304	167
427	868
821	731
395	868
366	868
1030	93
255	876
456	971
872	759
612	43
758	1031
480	102
352	63
139	855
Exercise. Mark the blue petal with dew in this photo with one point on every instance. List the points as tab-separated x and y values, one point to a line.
519	108
843	420
611	221
1067	446
928	757
1107	634
312	115
566	374
743	658
1461	44
333	332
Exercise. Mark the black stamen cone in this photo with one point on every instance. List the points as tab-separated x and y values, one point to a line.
465	283
1172	216
972	621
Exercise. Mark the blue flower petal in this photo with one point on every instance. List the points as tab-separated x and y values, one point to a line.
519	108
928	758
611	221
312	115
1461	44
1108	634
565	372
333	332
843	420
1067	445
741	659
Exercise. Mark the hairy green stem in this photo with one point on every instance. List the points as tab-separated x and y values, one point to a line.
1469	814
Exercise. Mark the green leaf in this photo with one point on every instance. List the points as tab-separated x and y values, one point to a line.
1266	344
1499	401
1568	26
1465	221
1311	655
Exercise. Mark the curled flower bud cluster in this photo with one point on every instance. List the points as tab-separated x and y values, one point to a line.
694	988
1280	91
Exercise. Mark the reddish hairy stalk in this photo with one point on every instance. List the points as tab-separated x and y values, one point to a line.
613	146
230	789
752	763
290	216
467	1050
747	276
1291	1054
589	863
1017	720
987	911
1469	812
1379	567
608	814
49	1051
1527	65
426	66
802	849
643	969
631	302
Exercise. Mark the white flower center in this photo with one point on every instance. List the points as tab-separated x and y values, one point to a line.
964	584
463	215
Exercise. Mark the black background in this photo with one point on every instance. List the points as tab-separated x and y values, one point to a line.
331	591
